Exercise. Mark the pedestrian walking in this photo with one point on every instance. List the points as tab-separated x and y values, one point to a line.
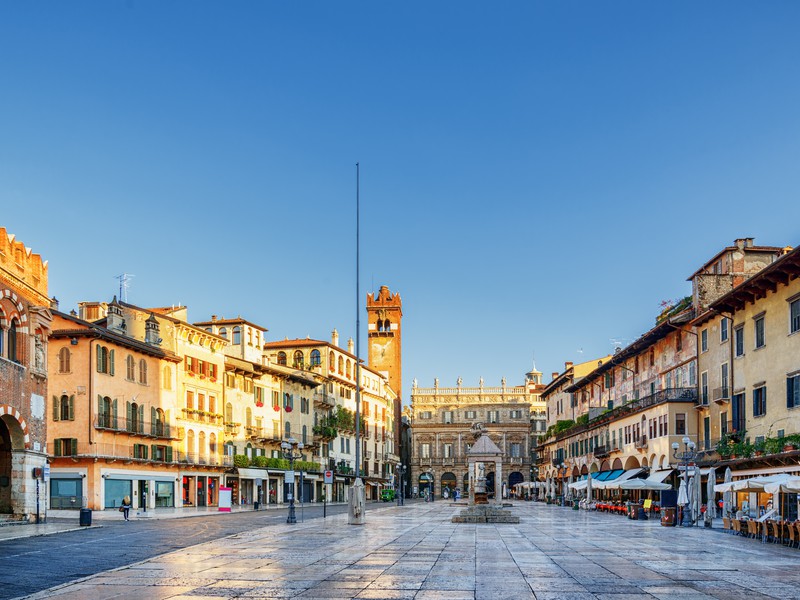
126	507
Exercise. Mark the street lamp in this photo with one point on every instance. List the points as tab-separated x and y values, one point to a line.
289	446
400	471
687	457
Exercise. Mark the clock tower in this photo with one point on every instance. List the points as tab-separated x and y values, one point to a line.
385	315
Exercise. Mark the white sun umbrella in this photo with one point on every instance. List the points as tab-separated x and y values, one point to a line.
683	494
711	509
570	481
589	488
727	496
698	497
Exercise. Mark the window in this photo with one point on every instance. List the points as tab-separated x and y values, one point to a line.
237	336
425	414
189	400
64	360
105	360
723	422
316	358
516	449
142	371
704	340
223	332
760	401
738	337
494	416
680	424
692	374
282	358
298	360
794	316
704	387
130	368
65	447
679	341
758	326
724	380
12	341
516	414
64	408
166	378
447	417
793	391
469	414
347	370
723	329
425	450
447	450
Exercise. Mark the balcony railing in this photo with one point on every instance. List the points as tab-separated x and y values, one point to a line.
200	416
159	429
600	451
721	395
641	443
736	426
254	432
702	401
324	400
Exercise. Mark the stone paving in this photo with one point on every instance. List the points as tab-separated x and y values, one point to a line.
416	552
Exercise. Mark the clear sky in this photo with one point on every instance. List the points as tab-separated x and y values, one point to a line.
536	177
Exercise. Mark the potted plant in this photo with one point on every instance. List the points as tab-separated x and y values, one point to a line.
759	447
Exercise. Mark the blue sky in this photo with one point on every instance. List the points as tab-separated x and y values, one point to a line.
536	177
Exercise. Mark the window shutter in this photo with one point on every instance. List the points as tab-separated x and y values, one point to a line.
114	414
790	392
99	404
74	444
144	451
153	419
56	407
57	447
168	453
141	419
128	416
111	362
153	453
99	359
72	407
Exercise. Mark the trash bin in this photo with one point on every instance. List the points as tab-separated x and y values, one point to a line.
642	515
668	516
85	517
256	505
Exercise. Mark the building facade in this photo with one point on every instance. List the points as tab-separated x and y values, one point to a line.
25	321
441	421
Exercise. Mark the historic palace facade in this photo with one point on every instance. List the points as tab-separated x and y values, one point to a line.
441	434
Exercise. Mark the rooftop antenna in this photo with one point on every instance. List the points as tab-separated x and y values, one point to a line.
124	284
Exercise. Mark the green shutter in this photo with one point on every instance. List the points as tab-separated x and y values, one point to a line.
72	407
57	447
153	452
74	444
56	414
141	419
99	359
114	413
128	416
111	362
153	419
99	405
168	453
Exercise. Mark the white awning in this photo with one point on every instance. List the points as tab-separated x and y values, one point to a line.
579	485
614	483
659	476
252	473
766	471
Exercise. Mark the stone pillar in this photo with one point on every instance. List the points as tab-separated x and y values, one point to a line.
498	481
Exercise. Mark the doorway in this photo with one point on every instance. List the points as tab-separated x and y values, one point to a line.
143	495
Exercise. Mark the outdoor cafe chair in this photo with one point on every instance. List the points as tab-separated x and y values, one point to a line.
726	524
736	525
752	529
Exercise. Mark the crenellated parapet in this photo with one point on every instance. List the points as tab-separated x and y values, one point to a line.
19	265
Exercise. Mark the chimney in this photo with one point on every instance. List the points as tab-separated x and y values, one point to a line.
743	243
555	375
335	338
350	346
567	366
213	318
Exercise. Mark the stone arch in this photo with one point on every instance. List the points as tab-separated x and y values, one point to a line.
653	460
584	470
515	478
617	464
594	468
644	461
17	427
664	461
632	463
604	466
575	471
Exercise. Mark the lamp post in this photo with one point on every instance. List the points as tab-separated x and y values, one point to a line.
687	457
400	471
289	446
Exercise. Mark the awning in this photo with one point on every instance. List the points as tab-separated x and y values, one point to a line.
578	485
252	473
766	471
659	476
613	483
372	483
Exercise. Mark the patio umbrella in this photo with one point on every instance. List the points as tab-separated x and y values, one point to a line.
683	494
711	509
589	488
697	498
726	495
569	495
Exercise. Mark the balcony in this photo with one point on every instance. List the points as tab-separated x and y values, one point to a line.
702	401
722	395
126	453
159	429
201	416
516	460
324	401
232	428
253	432
641	443
601	451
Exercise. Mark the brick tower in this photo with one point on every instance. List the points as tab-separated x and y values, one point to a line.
385	315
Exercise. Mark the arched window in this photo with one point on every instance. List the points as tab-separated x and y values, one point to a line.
167	378
282	358
248	417
237	335
249	450
305	434
64	357
299	360
12	341
223	332
288	430
341	366
316	358
191	450
212	444
142	371
135	417
347	373
158	421
66	408
202	450
331	361
387	326
105	360
229	413
249	336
